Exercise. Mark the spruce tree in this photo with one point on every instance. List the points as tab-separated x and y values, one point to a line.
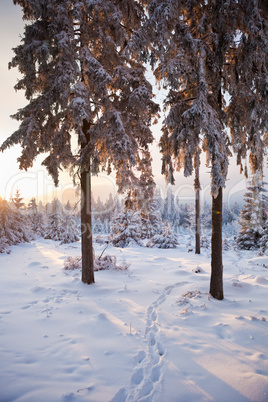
169	209
253	216
126	228
77	79
38	223
70	232
55	227
98	226
32	206
17	200
202	51
14	227
166	238
68	206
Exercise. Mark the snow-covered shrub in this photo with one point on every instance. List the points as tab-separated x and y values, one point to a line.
71	263
107	262
166	239
101	239
205	242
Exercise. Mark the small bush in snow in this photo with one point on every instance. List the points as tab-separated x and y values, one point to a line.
72	263
108	262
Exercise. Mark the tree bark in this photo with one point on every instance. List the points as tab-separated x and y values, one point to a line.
216	279
86	222
197	211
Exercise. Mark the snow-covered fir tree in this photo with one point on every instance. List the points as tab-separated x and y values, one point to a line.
68	206
40	207
17	200
98	226
158	199
14	228
165	239
4	244
201	51
70	231
228	215
155	223
54	229
38	223
206	217
186	216
253	215
32	205
126	228
35	214
263	242
169	209
78	79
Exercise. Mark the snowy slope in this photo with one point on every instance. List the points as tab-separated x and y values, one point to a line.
151	333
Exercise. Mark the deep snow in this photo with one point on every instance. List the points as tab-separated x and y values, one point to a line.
150	333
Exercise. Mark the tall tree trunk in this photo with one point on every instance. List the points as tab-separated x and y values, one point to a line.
216	279
197	211
86	222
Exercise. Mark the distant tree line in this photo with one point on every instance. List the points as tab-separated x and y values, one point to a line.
166	220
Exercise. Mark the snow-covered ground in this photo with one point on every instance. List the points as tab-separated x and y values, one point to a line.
150	333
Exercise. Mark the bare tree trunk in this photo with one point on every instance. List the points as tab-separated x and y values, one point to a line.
216	279
86	223
197	211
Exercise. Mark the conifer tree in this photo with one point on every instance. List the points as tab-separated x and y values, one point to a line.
253	215
263	242
14	228
38	223
166	238
202	50
185	216
155	222
55	228
70	232
36	217
98	226
77	79
32	206
126	228
169	210
68	207
17	200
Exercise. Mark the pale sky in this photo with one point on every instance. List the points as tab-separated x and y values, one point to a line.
35	182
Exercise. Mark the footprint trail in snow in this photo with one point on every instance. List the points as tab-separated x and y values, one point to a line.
146	380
